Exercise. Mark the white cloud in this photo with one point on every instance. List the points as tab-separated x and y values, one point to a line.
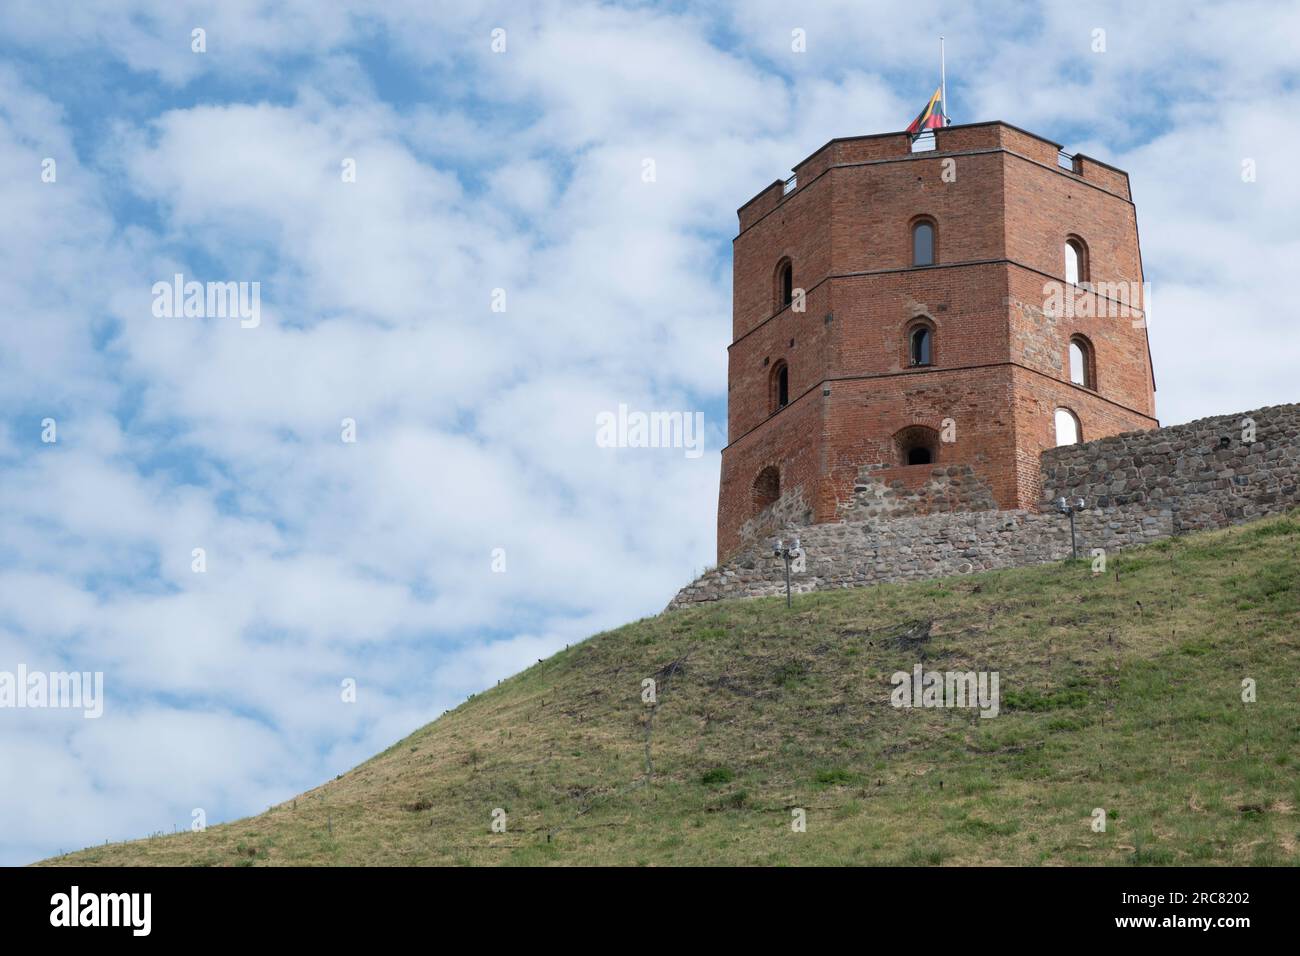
475	171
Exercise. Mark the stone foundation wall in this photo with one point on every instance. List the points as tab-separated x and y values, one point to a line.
1208	473
890	492
1137	487
788	511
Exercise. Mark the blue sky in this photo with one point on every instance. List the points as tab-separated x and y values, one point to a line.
477	170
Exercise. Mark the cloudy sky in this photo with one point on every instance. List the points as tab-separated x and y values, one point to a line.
474	525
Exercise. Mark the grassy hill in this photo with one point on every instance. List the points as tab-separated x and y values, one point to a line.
1120	690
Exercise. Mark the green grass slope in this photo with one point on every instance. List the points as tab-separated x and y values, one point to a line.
1120	690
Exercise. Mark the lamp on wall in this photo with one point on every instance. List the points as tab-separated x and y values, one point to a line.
1070	507
779	550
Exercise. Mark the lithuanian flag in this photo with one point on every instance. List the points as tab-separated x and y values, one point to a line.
932	117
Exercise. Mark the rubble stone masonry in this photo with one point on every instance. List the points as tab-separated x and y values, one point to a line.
1137	487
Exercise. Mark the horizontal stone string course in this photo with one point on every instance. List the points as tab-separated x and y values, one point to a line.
1137	487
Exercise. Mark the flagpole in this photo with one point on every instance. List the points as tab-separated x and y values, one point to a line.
943	83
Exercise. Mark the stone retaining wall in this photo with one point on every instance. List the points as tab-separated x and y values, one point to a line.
1137	487
1207	473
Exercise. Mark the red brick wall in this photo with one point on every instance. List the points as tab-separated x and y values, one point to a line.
751	359
792	441
1041	342
800	229
1044	205
1036	399
864	414
1000	362
875	205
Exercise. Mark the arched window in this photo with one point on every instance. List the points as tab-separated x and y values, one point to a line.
780	386
1067	427
923	243
1076	261
767	487
784	284
918	345
1081	362
916	445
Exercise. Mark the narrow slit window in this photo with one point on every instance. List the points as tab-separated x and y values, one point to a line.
923	244
919	349
1078	365
1076	261
778	387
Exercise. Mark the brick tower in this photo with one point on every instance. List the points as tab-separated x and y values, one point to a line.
912	329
